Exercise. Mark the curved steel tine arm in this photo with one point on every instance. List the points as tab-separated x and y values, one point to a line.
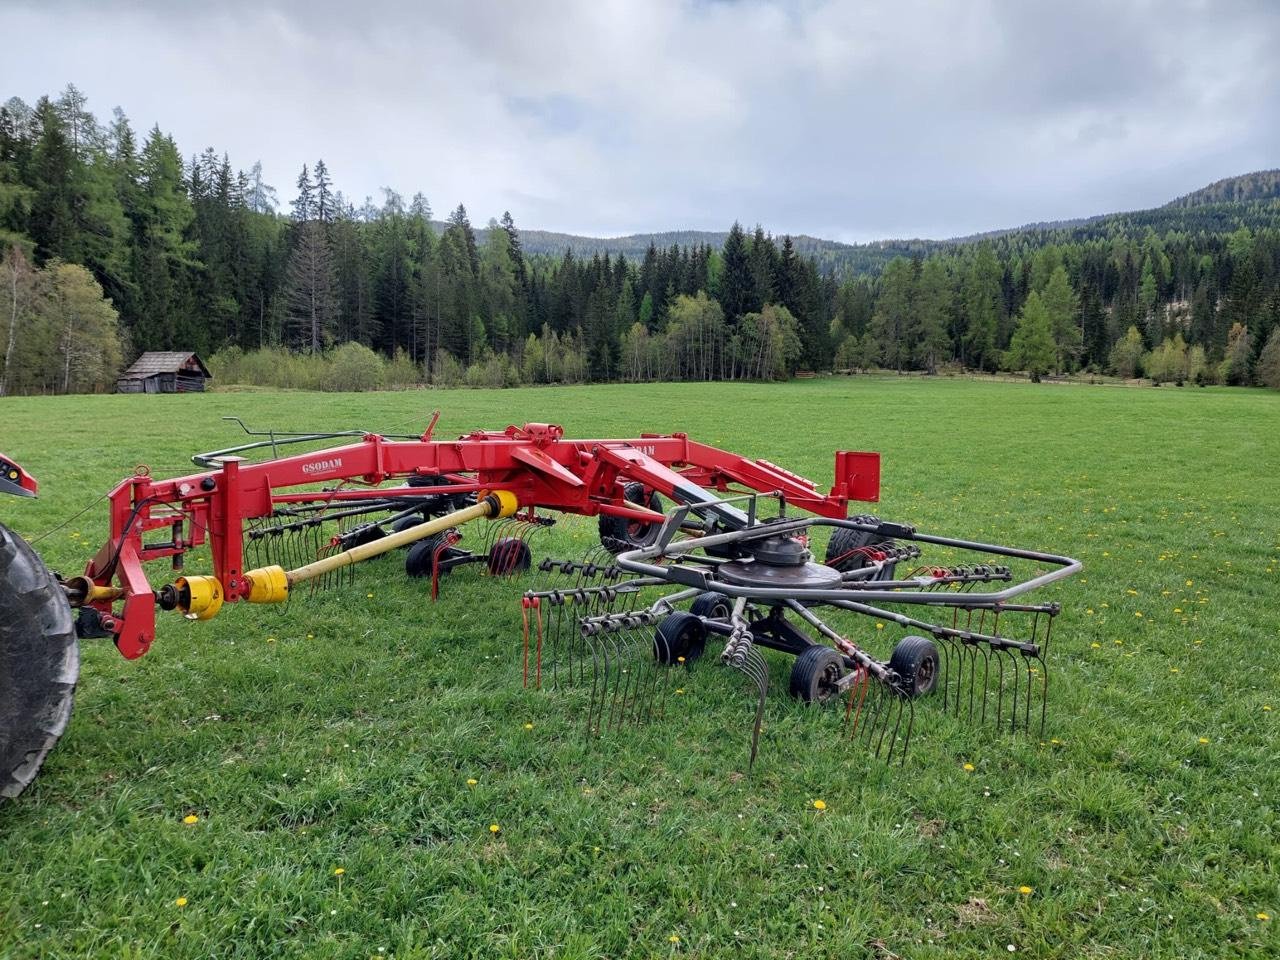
757	671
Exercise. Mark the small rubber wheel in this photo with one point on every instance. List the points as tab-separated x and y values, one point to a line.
509	555
815	676
679	635
844	551
619	534
712	606
39	662
404	523
367	535
915	661
421	556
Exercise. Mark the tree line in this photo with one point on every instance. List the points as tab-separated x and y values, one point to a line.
179	252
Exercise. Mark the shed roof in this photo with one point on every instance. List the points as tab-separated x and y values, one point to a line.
165	361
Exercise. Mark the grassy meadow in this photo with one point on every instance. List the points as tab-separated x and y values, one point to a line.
347	758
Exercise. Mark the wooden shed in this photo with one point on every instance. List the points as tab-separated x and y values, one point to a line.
168	371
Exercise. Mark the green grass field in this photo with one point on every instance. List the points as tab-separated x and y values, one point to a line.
343	732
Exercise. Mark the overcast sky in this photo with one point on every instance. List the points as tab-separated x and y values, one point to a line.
847	120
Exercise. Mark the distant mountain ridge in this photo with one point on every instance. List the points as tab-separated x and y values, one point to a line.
1250	199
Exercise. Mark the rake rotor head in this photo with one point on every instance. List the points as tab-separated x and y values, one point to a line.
616	625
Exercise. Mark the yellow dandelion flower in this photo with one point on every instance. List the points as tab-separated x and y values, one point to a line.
339	871
879	626
1024	890
528	726
1137	613
1089	611
1132	593
680	691
369	595
271	639
1204	739
1263	916
472	781
180	902
494	828
819	804
1267	707
968	768
190	818
673	938
1191	583
679	659
1096	646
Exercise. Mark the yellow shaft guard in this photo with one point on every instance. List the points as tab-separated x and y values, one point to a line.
507	501
202	596
267	585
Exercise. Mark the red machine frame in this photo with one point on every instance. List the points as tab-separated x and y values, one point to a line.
534	462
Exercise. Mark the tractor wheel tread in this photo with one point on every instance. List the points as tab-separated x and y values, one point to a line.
712	606
39	663
618	534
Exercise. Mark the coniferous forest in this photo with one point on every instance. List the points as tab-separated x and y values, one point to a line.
115	241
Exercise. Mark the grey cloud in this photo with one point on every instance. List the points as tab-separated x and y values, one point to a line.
842	119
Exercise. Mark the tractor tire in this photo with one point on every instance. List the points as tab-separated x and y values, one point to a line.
421	556
841	551
711	606
680	637
39	663
618	534
815	674
915	661
509	556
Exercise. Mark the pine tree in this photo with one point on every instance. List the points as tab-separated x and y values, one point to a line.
893	321
311	302
1032	348
933	302
982	308
1064	319
323	187
736	283
303	204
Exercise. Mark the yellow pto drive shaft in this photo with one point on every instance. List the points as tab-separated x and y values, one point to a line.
272	584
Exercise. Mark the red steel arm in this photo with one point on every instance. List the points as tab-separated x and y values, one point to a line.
535	462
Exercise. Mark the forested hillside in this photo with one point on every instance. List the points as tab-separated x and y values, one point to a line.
116	242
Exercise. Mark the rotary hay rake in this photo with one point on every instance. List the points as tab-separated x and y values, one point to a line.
695	548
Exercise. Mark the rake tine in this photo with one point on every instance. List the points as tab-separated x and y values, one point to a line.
986	668
619	672
861	680
756	670
999	688
905	705
626	665
634	643
1026	718
596	681
877	715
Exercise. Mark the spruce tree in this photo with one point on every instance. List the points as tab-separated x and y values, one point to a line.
1032	348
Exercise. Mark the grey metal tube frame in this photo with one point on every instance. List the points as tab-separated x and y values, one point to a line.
637	561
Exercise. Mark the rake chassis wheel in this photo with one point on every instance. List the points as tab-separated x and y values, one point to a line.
39	663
